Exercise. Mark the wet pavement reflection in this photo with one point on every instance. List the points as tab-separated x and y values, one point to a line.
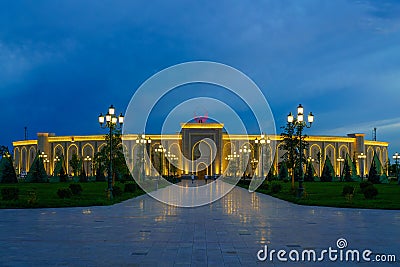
146	232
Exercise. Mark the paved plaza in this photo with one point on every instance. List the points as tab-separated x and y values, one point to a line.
228	232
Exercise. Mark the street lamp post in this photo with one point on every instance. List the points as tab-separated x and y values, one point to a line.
262	141
45	161
55	160
232	158
142	140
362	158
87	160
340	160
161	150
300	124
396	158
244	152
110	121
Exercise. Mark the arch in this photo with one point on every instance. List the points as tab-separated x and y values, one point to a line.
72	149
384	155
368	160
17	159
100	147
202	171
315	152
343	151
32	155
175	149
330	152
58	150
193	154
379	154
24	159
88	150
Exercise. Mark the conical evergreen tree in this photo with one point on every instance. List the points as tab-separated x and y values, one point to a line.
82	175
310	173
271	174
37	173
328	174
59	169
7	172
283	172
376	174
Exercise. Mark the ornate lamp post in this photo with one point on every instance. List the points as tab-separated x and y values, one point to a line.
171	157
262	141
299	123
362	157
161	150
340	160
55	160
396	158
110	121
232	158
245	153
45	161
254	163
87	160
142	140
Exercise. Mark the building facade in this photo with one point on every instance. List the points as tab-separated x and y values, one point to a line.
208	148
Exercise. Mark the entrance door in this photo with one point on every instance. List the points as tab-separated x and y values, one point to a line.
201	170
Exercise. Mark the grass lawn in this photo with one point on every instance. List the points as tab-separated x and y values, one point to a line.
330	194
43	195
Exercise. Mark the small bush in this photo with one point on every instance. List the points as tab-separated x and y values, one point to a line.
117	191
10	193
32	199
348	190
264	185
76	189
64	193
276	188
130	188
370	192
364	185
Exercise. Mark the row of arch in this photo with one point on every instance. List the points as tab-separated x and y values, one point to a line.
24	155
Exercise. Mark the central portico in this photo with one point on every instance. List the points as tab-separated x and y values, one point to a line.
194	138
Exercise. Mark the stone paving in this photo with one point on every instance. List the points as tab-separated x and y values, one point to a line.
228	232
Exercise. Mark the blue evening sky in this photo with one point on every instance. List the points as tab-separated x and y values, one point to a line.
64	62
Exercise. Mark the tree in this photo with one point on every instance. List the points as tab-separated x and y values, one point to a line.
291	146
59	169
102	158
283	171
310	173
376	174
76	164
271	174
7	171
37	173
82	176
327	172
349	171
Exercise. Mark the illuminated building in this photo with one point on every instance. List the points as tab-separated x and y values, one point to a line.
227	147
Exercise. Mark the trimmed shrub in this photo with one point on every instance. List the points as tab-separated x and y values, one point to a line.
370	192
130	188
364	185
348	190
276	188
10	193
64	193
117	192
264	186
76	189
